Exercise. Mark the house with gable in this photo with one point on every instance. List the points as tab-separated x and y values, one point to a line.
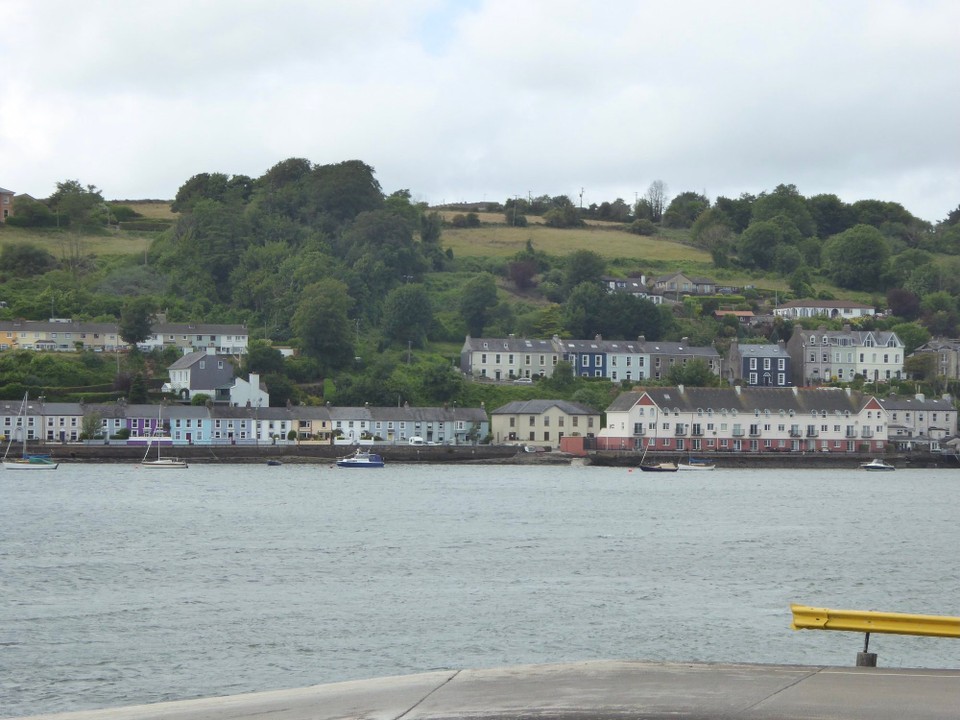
945	353
759	365
542	422
822	356
199	372
679	283
745	420
665	354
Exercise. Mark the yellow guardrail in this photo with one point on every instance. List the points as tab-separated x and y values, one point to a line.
866	621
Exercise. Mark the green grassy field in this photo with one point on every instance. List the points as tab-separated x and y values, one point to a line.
60	242
159	210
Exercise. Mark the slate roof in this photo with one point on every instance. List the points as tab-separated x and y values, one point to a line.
825	304
763	350
749	399
536	407
515	345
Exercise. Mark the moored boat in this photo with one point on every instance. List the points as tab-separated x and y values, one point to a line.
696	464
664	466
361	459
26	461
877	464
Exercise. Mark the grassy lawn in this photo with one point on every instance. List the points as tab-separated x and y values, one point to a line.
60	242
153	210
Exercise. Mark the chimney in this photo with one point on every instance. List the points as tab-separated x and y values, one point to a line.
598	337
641	338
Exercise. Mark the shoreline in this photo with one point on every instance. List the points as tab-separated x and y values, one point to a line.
477	454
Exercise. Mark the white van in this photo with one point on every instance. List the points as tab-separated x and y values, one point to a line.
416	440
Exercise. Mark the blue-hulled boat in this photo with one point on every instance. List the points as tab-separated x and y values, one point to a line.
361	459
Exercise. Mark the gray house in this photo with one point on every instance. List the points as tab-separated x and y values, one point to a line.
200	372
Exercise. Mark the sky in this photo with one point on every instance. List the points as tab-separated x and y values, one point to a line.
478	100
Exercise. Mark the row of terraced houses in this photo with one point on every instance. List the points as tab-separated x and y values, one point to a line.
225	425
809	357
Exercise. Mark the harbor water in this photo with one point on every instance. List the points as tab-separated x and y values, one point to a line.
123	586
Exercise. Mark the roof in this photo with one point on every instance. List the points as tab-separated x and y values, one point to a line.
48	326
916	403
825	304
166	328
536	407
763	350
508	344
192	358
4	190
747	400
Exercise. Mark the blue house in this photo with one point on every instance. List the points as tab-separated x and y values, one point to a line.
759	365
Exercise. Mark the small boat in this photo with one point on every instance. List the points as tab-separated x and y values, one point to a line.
165	463
664	466
361	459
26	461
696	464
160	462
274	463
877	464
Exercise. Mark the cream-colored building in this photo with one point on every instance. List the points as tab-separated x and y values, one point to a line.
542	422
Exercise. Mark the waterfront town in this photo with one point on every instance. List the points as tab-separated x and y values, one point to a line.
770	402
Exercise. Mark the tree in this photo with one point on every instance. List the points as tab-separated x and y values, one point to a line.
138	390
322	324
407	315
903	303
758	243
856	259
136	320
262	358
656	197
684	209
24	260
583	266
440	382
785	200
911	335
696	373
831	214
477	299
80	206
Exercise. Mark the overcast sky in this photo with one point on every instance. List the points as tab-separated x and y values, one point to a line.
487	99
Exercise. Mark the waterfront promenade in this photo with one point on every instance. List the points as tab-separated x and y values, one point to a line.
597	690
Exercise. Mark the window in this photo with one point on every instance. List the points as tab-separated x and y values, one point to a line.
533	420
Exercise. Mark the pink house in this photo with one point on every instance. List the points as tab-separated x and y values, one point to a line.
6	204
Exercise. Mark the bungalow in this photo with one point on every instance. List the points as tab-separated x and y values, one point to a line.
751	420
834	309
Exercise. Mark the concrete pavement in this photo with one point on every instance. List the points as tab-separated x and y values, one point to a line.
597	690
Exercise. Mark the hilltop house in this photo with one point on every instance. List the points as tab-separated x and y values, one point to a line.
6	204
834	309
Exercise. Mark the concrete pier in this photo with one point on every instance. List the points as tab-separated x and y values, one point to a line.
597	690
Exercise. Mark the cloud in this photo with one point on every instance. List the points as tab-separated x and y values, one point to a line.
466	100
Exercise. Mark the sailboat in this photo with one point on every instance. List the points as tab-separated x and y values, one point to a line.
26	461
160	462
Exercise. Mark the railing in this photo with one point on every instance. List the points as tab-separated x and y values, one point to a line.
867	621
867	433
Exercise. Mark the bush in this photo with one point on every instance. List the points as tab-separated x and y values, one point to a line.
642	227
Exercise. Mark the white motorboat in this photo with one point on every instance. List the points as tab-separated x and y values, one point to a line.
877	464
361	459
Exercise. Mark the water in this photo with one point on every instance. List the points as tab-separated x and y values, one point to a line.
121	586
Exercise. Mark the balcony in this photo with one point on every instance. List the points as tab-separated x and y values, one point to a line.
681	430
796	434
866	433
813	433
737	432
